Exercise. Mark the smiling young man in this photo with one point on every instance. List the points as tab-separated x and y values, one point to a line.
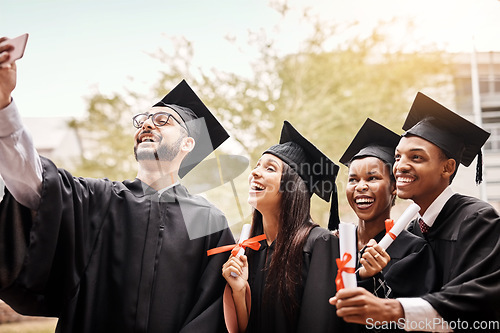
109	256
462	231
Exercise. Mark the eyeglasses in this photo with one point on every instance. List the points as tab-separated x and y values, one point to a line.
158	118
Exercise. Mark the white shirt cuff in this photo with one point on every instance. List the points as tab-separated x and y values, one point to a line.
10	120
20	165
421	316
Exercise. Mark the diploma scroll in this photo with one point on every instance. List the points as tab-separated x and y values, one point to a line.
244	235
400	224
348	250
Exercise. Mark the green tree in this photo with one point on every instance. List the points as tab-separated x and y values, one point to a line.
107	136
327	95
325	89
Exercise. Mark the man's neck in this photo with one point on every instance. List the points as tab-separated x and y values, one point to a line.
433	210
158	174
425	201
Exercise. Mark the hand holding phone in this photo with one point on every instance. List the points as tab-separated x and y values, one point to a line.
19	44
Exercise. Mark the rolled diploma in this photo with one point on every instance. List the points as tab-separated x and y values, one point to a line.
400	224
347	243
244	235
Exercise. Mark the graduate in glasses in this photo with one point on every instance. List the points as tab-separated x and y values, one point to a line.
109	256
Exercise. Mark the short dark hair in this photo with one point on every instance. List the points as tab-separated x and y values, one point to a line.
444	156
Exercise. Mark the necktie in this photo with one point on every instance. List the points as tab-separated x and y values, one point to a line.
423	227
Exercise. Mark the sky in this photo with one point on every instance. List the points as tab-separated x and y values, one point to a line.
78	47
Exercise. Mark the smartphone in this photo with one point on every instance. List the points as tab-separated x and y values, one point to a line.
19	44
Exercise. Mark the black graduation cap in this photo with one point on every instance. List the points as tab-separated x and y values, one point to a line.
373	140
314	167
206	130
459	138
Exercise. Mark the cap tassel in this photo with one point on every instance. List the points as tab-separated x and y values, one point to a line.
334	220
479	168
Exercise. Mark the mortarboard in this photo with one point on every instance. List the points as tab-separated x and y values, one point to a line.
206	130
459	138
374	140
314	167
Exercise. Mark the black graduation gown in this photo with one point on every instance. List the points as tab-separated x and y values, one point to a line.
465	239
318	285
409	273
108	256
411	270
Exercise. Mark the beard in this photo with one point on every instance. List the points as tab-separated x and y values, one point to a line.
165	152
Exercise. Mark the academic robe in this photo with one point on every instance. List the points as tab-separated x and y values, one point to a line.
411	270
465	239
107	256
318	285
409	273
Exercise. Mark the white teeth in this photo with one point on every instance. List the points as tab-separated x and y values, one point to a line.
256	186
405	180
147	138
364	200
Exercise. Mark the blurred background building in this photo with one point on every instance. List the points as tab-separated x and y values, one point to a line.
474	93
477	97
53	139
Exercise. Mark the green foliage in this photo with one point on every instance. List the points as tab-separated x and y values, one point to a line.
326	90
327	95
107	136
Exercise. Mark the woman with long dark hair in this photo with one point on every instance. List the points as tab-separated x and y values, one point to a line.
291	277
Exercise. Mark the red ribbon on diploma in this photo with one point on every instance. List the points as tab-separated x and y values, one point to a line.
252	243
341	268
388	226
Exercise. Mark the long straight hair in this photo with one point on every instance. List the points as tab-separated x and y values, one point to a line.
284	278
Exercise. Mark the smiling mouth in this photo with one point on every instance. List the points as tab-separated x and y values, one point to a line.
256	187
148	137
364	203
401	180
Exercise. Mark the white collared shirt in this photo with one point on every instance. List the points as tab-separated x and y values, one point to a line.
419	314
160	192
436	206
